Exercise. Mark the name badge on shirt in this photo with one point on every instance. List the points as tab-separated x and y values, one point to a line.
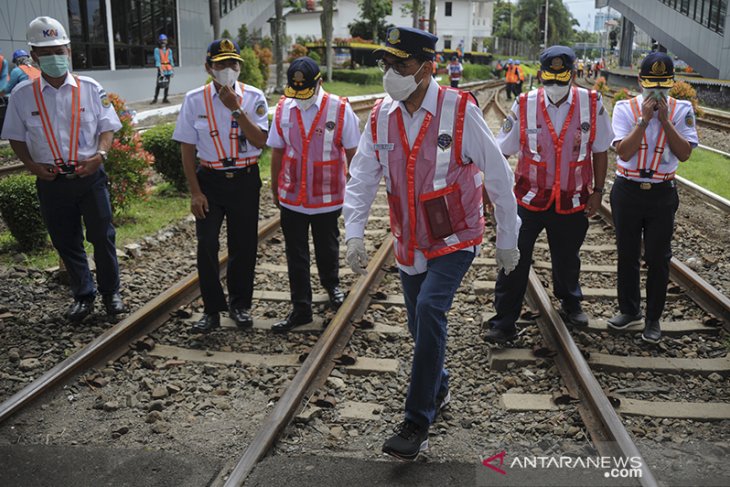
532	131
384	146
286	125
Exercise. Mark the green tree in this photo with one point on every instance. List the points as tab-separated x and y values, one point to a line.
504	21
243	38
226	34
373	13
560	22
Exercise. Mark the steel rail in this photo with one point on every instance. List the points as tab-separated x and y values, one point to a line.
701	291
11	169
115	341
612	438
291	400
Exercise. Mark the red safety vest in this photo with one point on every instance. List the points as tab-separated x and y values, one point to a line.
435	198
69	165
313	169
661	142
555	167
224	161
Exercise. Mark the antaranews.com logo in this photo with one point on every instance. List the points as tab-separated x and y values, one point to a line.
613	467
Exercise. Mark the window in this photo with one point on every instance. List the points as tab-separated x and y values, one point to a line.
87	25
137	24
447	43
710	13
447	9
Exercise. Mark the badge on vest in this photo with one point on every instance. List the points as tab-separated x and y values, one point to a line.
444	141
507	125
330	125
384	146
585	126
689	120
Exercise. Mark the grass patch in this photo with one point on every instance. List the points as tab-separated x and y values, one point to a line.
265	163
163	207
341	88
709	170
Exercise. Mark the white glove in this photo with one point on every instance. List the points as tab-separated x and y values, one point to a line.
356	256
507	259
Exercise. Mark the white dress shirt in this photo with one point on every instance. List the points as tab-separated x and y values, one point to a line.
23	121
478	145
192	122
350	139
509	141
623	123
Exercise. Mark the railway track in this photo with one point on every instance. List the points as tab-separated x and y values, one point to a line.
371	320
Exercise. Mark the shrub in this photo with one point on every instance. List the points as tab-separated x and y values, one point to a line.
265	58
477	72
315	56
622	94
21	211
168	159
250	70
297	50
600	85
684	91
366	76
128	164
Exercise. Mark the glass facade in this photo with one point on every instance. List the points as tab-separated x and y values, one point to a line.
710	13
136	25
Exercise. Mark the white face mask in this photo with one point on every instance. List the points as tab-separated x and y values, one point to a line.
400	87
226	76
556	92
305	104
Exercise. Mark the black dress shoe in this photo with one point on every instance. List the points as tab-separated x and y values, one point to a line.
208	323
623	321
80	309
500	335
337	297
113	304
242	317
295	318
575	317
652	332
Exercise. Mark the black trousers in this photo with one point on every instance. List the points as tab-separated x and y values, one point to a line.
565	234
64	202
326	236
237	200
647	213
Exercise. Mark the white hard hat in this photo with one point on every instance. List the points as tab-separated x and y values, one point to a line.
46	31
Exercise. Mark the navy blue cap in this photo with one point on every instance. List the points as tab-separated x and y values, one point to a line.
657	71
223	49
302	78
557	59
405	42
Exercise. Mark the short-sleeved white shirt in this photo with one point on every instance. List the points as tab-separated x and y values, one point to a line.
623	123
192	122
23	120
350	139
509	141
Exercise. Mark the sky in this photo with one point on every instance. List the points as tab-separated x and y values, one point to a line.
581	9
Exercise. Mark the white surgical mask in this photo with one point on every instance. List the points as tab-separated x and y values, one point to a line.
400	87
305	104
556	92
226	76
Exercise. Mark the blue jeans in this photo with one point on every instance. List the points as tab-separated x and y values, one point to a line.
428	297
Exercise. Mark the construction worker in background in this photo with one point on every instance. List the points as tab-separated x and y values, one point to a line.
498	68
223	124
580	68
520	78
455	70
653	133
164	64
22	71
61	126
4	72
434	149
510	78
561	134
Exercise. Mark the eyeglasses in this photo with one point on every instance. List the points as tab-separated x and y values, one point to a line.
399	67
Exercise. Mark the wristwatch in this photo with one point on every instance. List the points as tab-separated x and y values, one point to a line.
104	155
599	190
236	113
641	122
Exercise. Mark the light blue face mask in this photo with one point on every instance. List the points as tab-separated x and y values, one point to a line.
55	65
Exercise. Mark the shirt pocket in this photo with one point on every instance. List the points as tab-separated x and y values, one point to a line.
36	135
87	131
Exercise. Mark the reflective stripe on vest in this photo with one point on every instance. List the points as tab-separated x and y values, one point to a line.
73	143
30	71
412	183
223	161
533	189
312	176
644	146
165	64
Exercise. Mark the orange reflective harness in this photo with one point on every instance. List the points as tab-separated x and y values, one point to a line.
223	162
165	60
641	167
68	166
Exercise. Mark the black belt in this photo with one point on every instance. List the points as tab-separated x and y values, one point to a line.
645	185
230	173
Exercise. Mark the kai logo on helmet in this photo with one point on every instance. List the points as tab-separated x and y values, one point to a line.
50	33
